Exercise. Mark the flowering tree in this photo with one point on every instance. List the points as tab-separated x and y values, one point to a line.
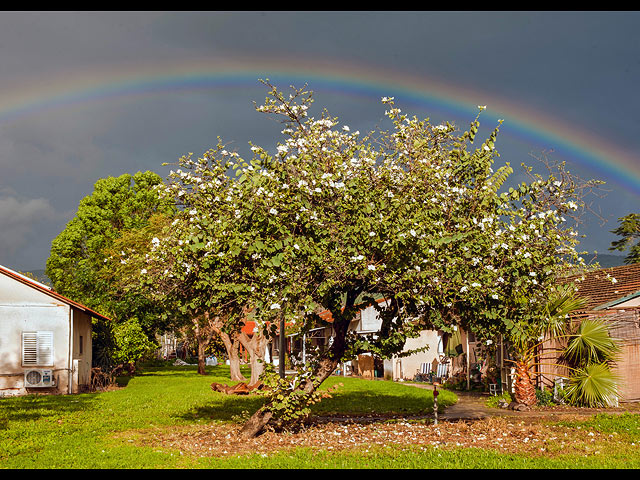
164	263
333	218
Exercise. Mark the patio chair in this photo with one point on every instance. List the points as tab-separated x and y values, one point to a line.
424	373
442	370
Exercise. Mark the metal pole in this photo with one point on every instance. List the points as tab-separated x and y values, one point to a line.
468	362
435	403
282	347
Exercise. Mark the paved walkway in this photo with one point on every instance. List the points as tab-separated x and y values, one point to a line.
470	406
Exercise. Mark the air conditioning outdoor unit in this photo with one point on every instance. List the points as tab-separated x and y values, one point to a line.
39	378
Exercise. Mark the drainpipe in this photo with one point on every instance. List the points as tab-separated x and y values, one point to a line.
304	349
70	356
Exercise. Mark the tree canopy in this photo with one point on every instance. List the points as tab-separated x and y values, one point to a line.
629	231
78	259
334	219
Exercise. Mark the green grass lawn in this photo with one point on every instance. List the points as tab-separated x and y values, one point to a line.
82	431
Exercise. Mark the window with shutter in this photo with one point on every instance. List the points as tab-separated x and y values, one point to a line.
37	349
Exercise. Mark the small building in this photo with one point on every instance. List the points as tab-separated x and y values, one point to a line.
45	339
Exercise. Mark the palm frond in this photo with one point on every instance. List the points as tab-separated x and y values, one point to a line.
592	343
593	386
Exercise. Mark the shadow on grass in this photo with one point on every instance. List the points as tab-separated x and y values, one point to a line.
359	403
34	407
188	371
226	408
238	408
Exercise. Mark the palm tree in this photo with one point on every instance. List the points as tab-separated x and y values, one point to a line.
528	335
588	354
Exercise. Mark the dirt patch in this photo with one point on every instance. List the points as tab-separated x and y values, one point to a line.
468	423
530	436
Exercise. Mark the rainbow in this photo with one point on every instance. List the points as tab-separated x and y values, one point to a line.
579	147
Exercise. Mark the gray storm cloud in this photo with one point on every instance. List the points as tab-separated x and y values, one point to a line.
19	220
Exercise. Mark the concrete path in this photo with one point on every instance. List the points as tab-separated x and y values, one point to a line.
470	406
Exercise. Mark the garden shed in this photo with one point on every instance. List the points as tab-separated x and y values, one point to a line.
45	338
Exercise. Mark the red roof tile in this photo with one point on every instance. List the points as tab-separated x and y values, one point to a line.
603	286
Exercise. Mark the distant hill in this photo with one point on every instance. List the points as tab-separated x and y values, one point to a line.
605	260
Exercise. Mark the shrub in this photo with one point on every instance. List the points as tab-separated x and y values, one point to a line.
495	400
131	343
544	397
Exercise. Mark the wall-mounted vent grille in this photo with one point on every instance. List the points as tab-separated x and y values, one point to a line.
37	349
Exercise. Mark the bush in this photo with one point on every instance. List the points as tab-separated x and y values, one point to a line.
131	343
544	397
494	401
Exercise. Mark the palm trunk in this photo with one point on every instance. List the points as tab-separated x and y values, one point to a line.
524	389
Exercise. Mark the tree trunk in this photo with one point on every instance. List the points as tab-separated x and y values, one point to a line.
524	390
255	425
255	345
232	346
204	334
201	359
325	367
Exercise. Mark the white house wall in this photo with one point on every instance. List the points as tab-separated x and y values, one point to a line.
369	320
23	309
406	367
